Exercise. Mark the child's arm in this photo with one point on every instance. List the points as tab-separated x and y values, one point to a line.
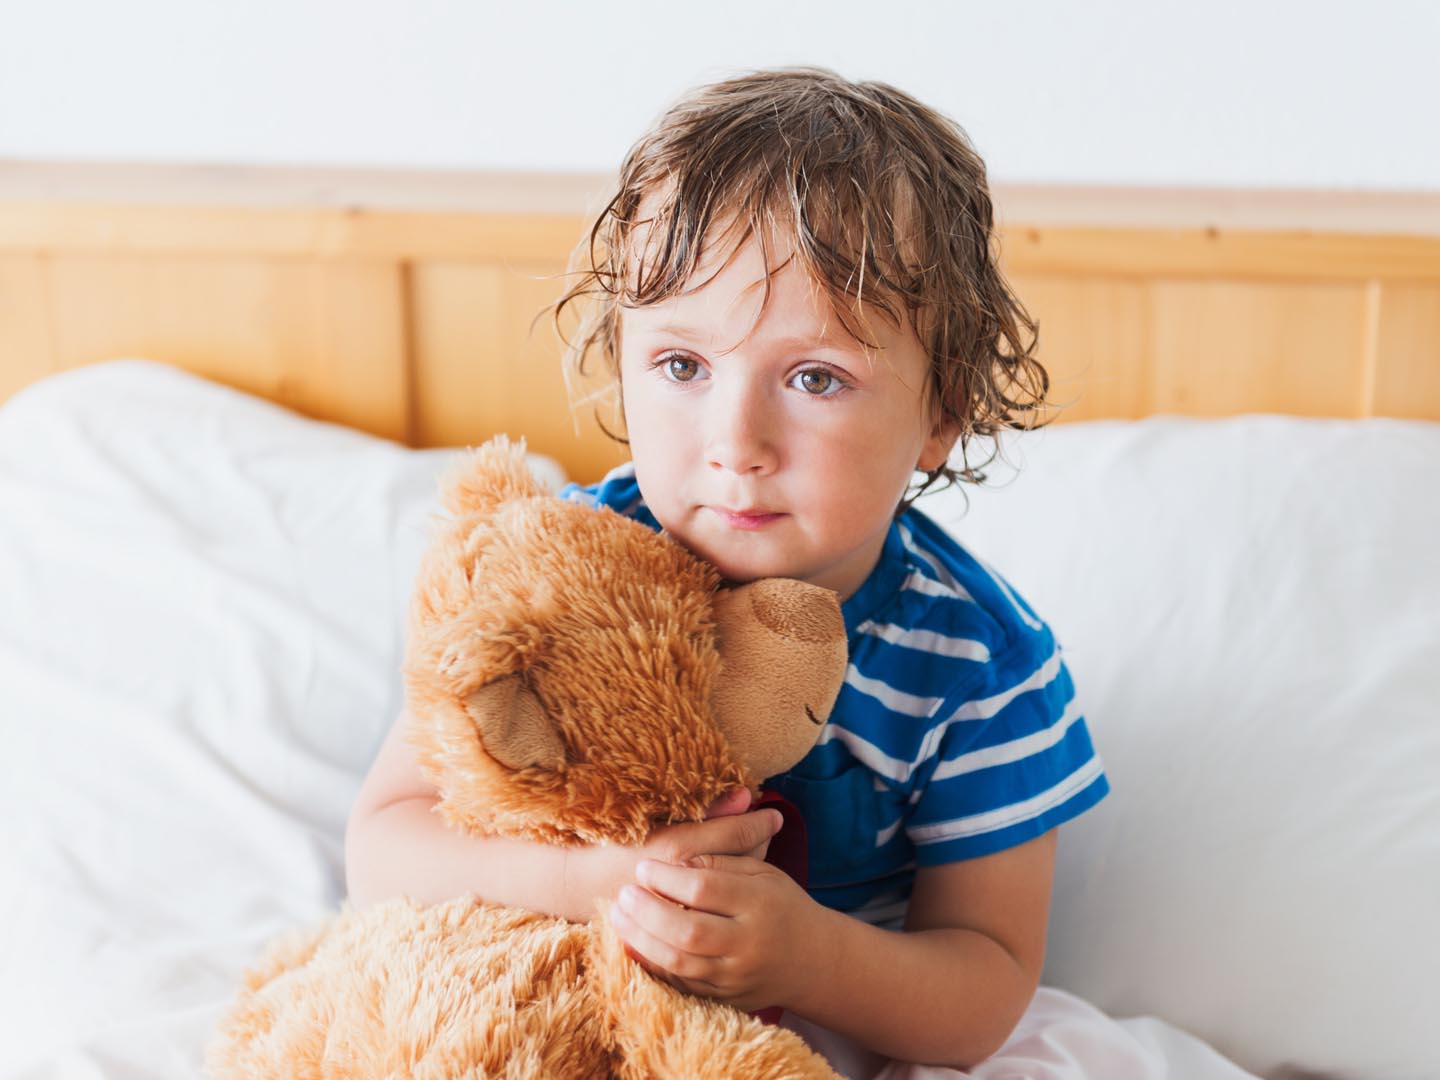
396	846
948	990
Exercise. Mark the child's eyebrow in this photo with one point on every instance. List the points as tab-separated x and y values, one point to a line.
827	340
678	329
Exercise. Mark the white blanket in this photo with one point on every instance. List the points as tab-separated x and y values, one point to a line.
1060	1037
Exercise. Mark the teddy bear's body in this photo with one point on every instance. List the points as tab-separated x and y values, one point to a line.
395	990
572	677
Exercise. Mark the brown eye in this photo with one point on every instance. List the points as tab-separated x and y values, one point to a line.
817	381
681	368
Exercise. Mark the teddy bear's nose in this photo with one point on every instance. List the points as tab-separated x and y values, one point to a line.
796	610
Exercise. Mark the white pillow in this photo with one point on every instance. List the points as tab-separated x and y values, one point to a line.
202	598
1251	611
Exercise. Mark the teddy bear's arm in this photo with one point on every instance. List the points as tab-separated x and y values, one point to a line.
660	1033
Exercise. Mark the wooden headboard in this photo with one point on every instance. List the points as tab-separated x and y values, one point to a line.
402	303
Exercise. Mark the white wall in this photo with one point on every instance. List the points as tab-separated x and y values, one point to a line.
1310	95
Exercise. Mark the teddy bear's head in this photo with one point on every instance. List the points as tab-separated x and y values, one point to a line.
575	676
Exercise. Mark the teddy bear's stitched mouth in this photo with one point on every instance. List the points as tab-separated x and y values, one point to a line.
810	713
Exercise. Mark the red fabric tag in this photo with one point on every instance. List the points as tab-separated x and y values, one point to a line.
789	848
789	852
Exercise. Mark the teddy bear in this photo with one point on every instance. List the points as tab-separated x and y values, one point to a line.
572	677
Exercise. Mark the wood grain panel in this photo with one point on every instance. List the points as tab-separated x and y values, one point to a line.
350	347
482	369
1091	341
459	396
563	428
287	232
1208	253
1222	347
410	317
1407	351
490	236
324	338
27	352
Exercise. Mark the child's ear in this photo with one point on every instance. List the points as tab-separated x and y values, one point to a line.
936	450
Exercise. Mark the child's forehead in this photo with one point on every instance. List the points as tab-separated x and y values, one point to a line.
726	304
743	276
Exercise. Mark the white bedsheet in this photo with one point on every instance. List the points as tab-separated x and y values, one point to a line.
203	598
1060	1037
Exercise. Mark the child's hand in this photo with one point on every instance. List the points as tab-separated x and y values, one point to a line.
604	869
727	927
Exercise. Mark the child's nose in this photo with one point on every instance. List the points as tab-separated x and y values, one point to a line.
739	436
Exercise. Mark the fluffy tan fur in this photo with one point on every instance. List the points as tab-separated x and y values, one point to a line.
574	677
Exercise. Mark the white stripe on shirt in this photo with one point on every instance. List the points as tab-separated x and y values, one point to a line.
1005	816
898	769
984	708
945	578
867	753
894	700
918	582
927	641
1006	752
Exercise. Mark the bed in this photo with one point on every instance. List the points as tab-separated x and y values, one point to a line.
204	566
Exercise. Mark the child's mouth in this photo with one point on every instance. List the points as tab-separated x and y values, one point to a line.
746	519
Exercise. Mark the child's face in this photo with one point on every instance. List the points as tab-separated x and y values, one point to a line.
777	451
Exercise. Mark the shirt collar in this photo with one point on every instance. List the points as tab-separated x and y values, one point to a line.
883	583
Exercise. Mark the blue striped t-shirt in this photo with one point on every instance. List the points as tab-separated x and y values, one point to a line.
956	733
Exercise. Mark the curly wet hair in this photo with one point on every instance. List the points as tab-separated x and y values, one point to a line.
882	199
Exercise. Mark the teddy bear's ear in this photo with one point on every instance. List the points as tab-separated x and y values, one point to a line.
482	479
513	725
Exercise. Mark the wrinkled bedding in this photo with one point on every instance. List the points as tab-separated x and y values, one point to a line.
203	597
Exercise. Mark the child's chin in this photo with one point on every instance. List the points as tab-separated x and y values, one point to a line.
740	556
735	569
742	573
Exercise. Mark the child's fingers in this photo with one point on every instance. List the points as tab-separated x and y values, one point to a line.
735	834
751	837
662	934
708	883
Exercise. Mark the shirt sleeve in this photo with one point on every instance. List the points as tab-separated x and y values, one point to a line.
581	493
1014	759
619	491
